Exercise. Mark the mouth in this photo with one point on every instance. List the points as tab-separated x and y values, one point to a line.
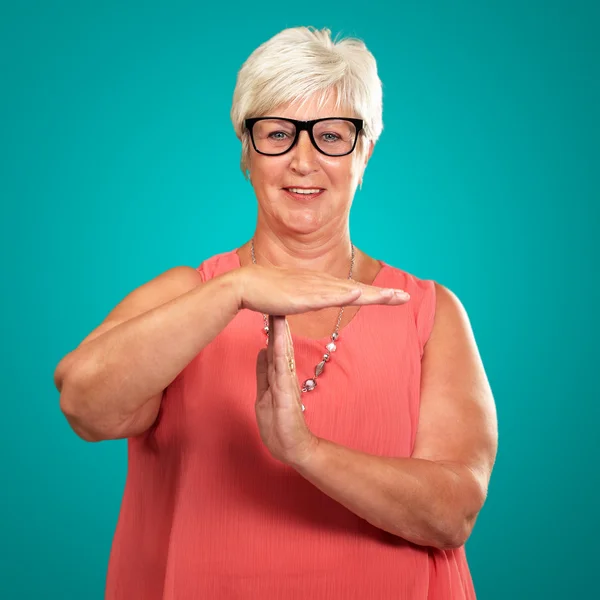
304	193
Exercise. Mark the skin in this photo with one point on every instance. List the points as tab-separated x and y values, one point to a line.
433	497
315	233
311	235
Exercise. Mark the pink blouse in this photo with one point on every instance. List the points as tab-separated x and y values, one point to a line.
208	514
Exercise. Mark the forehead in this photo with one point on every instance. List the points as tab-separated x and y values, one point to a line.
311	108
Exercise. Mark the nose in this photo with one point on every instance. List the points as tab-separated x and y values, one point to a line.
304	155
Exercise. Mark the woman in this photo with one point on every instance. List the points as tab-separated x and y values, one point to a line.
349	456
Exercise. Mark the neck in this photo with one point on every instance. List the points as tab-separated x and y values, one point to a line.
324	253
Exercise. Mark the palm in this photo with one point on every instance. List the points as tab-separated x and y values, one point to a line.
279	415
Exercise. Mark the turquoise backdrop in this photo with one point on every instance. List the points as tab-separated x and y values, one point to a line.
118	161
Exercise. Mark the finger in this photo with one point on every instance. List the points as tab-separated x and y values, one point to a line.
262	380
284	378
280	345
270	371
290	343
353	293
372	294
316	297
291	356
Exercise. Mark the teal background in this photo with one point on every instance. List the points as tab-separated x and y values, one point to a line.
118	161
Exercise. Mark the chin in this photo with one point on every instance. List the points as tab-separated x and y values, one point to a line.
302	221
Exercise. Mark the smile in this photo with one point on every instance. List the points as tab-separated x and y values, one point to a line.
304	190
304	193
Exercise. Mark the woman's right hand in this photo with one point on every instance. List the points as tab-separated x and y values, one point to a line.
279	291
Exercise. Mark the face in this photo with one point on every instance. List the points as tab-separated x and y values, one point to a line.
306	168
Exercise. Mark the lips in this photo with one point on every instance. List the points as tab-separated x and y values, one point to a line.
303	193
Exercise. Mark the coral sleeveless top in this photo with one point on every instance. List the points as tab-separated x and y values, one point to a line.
208	514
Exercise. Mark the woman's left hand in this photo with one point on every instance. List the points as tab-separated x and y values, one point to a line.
278	405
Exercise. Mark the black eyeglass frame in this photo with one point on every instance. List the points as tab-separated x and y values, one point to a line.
304	126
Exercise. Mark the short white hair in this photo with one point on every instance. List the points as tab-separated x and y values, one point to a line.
299	63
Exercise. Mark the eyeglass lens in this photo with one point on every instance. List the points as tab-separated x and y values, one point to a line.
332	136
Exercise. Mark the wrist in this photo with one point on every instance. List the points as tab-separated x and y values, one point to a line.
303	461
236	280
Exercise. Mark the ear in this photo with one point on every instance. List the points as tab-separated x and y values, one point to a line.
369	152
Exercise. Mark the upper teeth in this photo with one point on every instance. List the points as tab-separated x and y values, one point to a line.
302	191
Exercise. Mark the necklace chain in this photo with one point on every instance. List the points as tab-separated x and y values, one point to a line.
311	383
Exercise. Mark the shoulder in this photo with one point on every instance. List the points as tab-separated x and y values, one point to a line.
423	298
451	319
168	285
448	303
218	264
418	288
424	290
436	309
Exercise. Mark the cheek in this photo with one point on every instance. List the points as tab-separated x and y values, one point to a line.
267	172
342	174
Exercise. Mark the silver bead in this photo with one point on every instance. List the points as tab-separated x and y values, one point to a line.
309	385
303	408
326	356
334	336
266	329
319	368
331	347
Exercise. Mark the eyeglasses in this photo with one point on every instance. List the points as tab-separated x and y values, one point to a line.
274	136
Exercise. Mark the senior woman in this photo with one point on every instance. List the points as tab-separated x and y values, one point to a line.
303	420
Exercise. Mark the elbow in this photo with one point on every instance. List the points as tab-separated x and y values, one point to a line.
78	423
94	423
72	405
453	542
64	367
461	521
457	535
86	434
442	533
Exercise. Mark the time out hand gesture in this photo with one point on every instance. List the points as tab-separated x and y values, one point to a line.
278	399
278	291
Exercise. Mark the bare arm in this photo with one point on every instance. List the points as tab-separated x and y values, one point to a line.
111	385
432	498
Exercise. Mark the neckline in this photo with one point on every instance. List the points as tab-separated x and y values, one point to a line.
344	329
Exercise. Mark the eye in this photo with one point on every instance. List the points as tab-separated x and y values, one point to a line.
278	135
331	137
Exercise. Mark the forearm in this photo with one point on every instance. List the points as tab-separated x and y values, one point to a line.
111	377
421	501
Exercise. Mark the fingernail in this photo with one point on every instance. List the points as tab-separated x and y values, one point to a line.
402	294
